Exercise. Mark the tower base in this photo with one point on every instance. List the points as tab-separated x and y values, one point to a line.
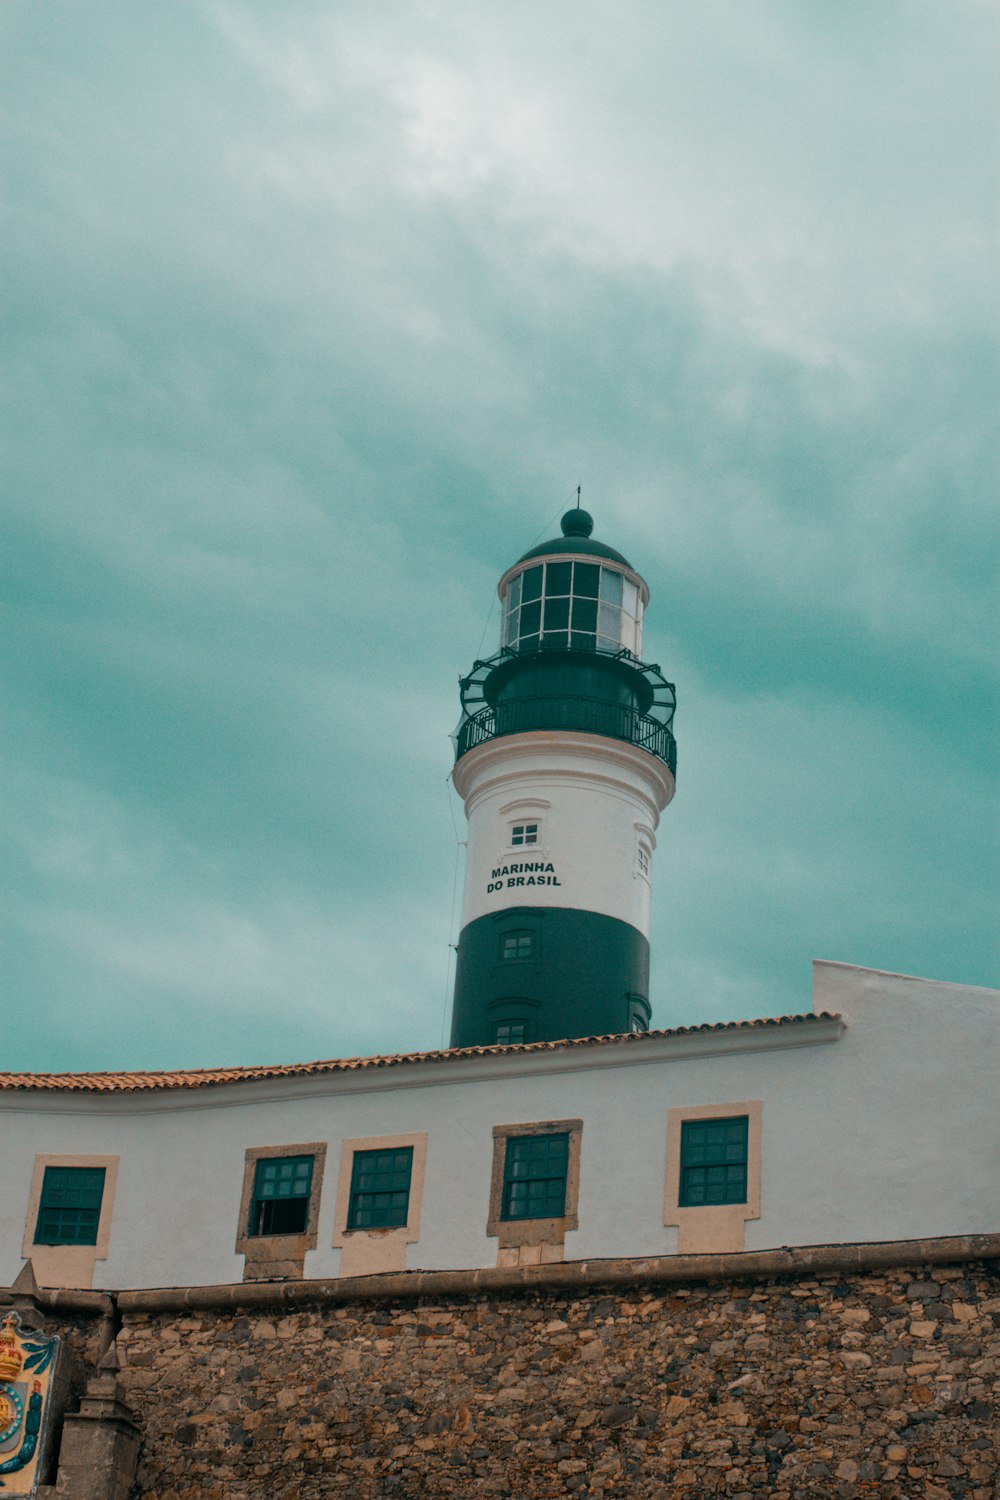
544	973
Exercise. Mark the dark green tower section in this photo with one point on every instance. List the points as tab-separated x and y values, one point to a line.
587	975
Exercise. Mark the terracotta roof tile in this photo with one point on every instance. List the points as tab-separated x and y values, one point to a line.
196	1078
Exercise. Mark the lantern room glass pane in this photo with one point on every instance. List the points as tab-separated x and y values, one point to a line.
630	598
557	578
609	623
582	640
586	580
556	614
531	584
510	627
531	618
514	592
611	586
584	614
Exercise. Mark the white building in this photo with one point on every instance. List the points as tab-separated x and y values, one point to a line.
871	1117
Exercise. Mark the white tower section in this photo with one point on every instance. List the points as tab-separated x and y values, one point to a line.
562	820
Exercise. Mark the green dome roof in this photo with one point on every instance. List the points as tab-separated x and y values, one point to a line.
576	526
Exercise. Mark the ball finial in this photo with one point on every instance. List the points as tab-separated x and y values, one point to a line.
577	522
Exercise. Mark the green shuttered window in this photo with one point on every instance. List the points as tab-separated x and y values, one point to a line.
281	1195
714	1161
70	1208
380	1189
534	1179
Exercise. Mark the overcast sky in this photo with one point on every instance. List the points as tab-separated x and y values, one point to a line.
316	314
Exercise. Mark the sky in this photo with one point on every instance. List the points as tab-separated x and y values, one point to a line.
315	315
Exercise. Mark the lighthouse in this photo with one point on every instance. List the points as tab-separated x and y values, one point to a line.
565	758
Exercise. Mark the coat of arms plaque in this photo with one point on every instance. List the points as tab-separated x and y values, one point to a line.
27	1365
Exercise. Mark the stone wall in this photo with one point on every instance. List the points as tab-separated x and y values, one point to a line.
881	1382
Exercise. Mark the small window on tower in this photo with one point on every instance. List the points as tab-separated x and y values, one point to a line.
642	859
517	945
523	833
638	1013
509	1032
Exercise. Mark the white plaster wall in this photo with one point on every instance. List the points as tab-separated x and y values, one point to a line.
891	1131
593	797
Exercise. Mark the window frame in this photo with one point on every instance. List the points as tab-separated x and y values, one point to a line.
69	1265
510	1025
688	1127
367	1251
530	832
515	1156
261	1200
518	936
41	1238
356	1192
270	1256
712	1228
525	1241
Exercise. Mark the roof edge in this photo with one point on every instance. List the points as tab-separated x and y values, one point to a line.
123	1082
952	984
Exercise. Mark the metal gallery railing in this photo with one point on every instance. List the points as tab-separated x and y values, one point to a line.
584	715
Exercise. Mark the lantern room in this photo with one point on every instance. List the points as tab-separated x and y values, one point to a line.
572	604
570	651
